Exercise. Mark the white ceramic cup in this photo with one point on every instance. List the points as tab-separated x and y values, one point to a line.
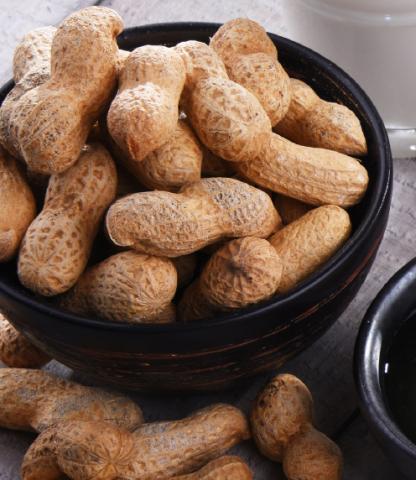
374	41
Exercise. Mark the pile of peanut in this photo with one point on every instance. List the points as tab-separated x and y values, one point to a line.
161	153
86	433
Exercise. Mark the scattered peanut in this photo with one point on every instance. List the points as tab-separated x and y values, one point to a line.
144	114
250	58
281	422
169	224
243	272
16	350
57	245
126	287
227	118
223	468
31	68
85	450
50	123
290	209
34	400
314	122
314	176
306	244
17	206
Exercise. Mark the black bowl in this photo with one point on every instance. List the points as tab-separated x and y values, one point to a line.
391	309
221	351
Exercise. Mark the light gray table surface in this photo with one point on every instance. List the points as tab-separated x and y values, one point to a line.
326	366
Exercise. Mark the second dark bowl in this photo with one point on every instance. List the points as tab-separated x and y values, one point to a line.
224	350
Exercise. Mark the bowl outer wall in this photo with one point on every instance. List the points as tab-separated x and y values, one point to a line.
268	333
387	313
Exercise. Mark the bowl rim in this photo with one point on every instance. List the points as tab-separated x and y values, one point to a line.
380	195
367	357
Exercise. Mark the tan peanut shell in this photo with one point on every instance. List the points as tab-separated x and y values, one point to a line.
50	123
144	114
243	272
57	245
223	468
290	209
85	450
314	122
185	268
251	60
175	163
31	68
279	412
126	287
34	400
306	244
175	224
17	206
16	350
312	455
312	175
227	118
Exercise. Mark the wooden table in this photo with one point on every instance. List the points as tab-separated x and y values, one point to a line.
326	366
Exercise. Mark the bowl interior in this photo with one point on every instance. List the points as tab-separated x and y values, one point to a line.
332	84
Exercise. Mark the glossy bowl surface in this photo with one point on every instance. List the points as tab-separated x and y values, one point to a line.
393	306
222	351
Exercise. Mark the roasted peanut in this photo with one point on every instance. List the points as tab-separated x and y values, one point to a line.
312	175
144	114
281	422
31	68
17	206
223	468
84	450
175	163
250	58
314	122
290	209
16	350
49	124
227	118
57	245
243	272
306	244
169	224
34	400
126	287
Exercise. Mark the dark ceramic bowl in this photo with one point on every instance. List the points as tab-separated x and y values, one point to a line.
392	308
222	351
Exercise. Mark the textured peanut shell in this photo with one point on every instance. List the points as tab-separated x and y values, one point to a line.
126	287
31	68
85	450
17	206
243	272
306	244
241	36
172	165
223	468
57	245
313	175
311	455
290	209
144	114
228	119
16	350
50	123
185	268
251	60
279	412
314	122
34	400
169	224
